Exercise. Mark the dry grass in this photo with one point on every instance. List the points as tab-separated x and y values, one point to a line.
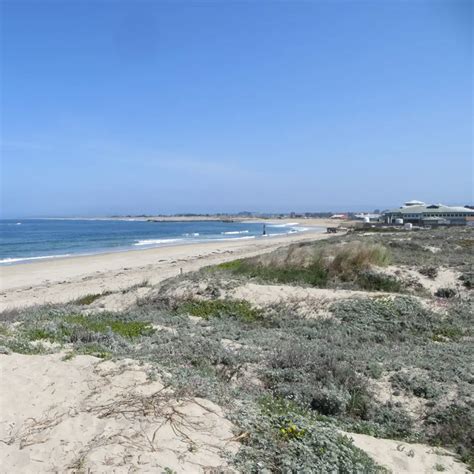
357	256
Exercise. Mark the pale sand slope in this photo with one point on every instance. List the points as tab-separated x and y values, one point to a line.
61	280
88	415
408	458
307	302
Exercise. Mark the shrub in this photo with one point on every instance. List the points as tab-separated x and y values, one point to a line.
453	426
430	272
392	422
318	378
468	279
373	281
374	370
329	401
447	332
283	439
382	319
418	385
445	293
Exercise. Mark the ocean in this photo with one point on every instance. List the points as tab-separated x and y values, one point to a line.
27	240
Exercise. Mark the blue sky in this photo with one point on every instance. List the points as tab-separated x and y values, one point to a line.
139	107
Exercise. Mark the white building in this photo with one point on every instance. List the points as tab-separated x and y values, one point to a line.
418	212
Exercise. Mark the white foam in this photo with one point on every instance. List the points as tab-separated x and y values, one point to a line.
289	224
156	241
235	232
24	259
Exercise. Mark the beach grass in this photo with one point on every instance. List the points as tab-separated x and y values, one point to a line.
89	299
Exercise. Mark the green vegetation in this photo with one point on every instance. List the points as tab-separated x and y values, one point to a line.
355	257
79	328
283	438
373	281
89	299
321	267
419	385
126	328
220	308
3	330
313	275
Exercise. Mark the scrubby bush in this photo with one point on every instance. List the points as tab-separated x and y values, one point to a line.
284	439
430	272
453	425
373	281
468	279
329	401
447	332
317	378
445	293
384	319
418	385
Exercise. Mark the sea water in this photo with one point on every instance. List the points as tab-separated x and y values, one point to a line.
27	240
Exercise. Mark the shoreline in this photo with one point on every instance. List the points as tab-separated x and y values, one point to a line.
172	242
302	226
61	280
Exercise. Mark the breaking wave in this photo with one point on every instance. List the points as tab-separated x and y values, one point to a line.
156	241
25	259
235	232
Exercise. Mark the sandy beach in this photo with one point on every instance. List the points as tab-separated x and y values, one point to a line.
62	280
93	387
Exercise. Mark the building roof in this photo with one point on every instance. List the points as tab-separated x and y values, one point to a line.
431	208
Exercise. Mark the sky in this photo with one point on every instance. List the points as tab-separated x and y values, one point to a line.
130	107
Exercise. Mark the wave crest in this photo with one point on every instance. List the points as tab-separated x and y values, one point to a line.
24	259
235	232
155	241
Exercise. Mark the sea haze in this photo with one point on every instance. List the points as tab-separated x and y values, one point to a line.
27	240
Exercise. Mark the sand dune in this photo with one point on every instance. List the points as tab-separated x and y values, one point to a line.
88	415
